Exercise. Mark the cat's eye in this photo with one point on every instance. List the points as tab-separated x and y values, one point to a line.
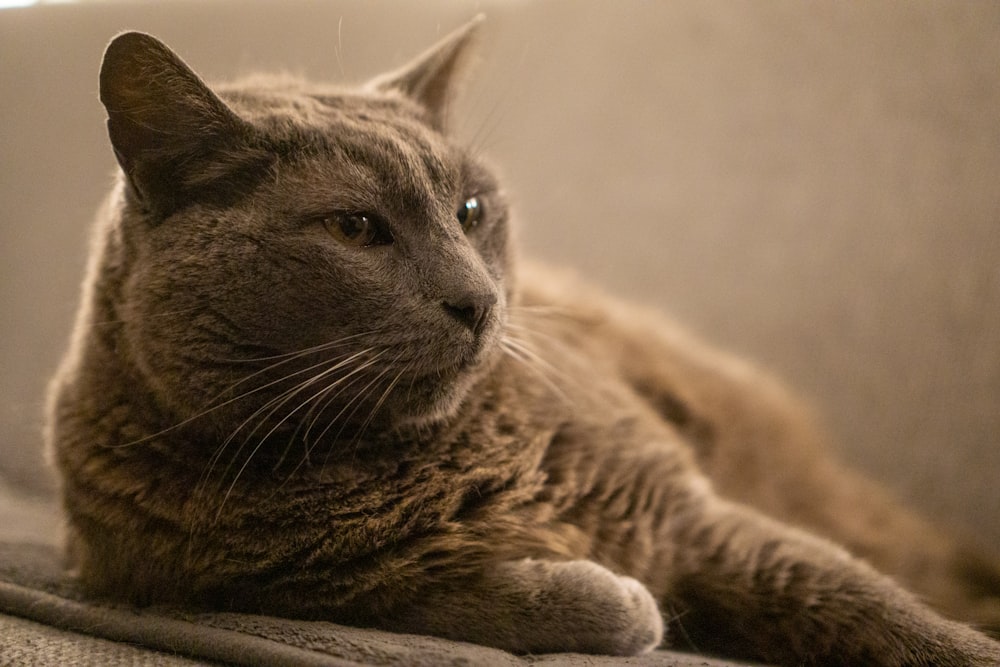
469	213
357	229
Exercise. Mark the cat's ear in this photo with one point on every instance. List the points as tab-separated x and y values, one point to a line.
171	134
432	77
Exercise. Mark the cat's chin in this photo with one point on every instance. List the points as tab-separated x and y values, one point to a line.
435	399
405	421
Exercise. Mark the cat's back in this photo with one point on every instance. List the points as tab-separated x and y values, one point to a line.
752	437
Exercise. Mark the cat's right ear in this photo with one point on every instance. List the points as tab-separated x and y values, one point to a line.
431	79
168	129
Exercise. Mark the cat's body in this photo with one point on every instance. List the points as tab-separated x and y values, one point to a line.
302	384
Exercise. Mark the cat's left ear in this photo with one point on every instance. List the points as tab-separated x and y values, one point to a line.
432	77
171	134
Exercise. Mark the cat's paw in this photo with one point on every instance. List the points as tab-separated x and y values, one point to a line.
540	606
603	612
648	630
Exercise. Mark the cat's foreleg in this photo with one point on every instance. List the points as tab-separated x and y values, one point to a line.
539	606
751	586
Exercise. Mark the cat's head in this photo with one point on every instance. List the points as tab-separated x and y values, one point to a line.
300	253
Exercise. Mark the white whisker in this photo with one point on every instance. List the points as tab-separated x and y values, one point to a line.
280	400
379	402
356	401
284	398
530	360
285	358
554	344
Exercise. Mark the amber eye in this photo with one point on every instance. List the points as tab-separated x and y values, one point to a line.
357	229
469	213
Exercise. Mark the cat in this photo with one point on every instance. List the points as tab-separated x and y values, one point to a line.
311	377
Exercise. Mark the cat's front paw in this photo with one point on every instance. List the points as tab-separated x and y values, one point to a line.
648	630
540	606
603	612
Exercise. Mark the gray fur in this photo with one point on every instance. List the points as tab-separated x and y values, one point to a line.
255	414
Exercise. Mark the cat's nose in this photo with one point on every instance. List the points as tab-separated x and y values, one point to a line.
472	310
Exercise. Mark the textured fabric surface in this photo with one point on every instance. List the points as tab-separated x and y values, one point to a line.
24	642
44	621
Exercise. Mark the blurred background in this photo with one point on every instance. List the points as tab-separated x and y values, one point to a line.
813	185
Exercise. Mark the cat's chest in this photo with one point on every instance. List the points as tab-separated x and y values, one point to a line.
518	442
415	481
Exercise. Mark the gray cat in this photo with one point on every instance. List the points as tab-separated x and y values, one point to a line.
310	377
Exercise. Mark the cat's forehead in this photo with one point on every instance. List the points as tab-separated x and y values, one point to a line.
382	131
260	97
377	146
283	103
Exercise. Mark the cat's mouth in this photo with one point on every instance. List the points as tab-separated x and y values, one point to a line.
436	393
469	354
459	361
